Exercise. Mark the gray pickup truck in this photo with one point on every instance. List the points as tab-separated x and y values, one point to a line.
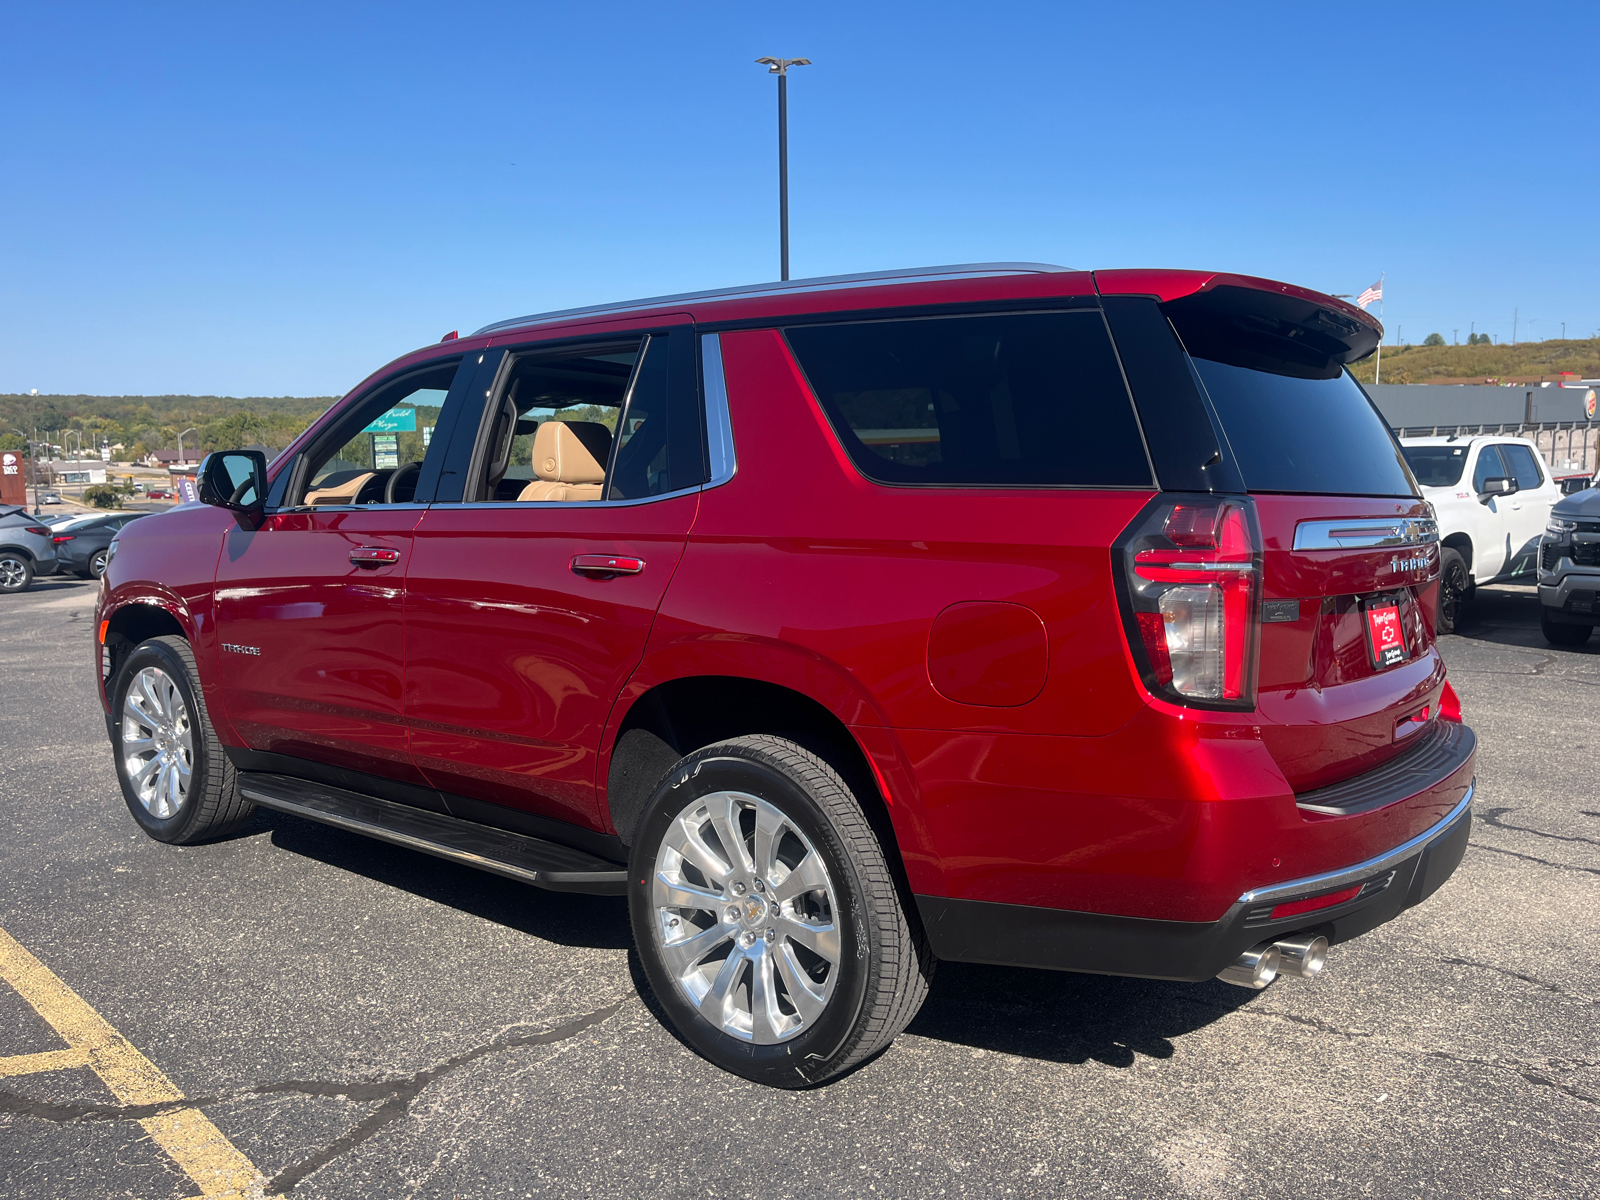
1569	569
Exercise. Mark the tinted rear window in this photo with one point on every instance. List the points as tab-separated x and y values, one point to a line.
1436	466
1293	434
1027	399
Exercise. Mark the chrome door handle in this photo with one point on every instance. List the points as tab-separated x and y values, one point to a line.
374	556
606	565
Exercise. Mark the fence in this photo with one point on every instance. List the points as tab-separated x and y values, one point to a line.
1568	447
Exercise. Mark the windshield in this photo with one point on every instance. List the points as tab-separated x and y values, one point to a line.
1436	466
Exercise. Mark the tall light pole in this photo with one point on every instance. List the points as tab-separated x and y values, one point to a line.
780	68
181	436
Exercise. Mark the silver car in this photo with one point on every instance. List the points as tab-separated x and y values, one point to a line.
26	549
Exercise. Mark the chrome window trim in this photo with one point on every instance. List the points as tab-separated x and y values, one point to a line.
719	424
1332	880
477	505
823	283
1357	533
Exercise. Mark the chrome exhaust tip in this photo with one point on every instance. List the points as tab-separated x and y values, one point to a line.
1302	956
1255	968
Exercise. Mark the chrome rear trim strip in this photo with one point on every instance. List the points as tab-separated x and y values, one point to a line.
1355	533
1332	880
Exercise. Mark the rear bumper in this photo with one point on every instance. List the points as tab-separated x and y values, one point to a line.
1025	936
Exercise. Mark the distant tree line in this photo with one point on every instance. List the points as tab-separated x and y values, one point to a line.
144	424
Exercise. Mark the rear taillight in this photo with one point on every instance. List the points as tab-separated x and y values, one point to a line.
63	537
1449	704
1190	588
37	530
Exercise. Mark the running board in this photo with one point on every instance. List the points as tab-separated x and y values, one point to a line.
514	855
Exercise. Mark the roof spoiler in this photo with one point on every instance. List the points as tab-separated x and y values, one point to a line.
1257	322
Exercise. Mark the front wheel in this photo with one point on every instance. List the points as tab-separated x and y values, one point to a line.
175	776
1455	585
97	564
767	917
1562	634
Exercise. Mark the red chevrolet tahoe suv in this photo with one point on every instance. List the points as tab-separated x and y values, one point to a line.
1002	614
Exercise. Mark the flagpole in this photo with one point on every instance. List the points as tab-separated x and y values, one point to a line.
1377	367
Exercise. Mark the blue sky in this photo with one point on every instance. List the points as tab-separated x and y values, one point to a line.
276	200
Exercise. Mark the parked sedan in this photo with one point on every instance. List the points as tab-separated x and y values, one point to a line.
81	545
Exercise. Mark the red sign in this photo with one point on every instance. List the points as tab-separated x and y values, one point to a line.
1386	638
13	486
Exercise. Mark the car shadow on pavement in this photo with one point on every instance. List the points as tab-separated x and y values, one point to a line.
1050	1015
1508	615
565	918
1064	1017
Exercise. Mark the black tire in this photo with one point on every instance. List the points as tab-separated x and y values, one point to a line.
1562	634
884	963
1455	588
16	571
211	805
97	565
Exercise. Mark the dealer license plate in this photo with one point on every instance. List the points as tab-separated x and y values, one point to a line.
1385	638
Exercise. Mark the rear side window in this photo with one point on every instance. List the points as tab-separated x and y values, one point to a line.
1520	459
1489	467
1019	400
1295	434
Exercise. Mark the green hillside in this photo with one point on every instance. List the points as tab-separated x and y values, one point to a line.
1476	364
146	423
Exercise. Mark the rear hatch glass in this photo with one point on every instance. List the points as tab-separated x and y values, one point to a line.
1310	436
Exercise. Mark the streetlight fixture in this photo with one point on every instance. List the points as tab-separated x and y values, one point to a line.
780	68
181	436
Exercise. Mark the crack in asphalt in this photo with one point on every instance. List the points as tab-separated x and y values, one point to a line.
1519	1070
395	1098
1545	862
1312	1022
1491	816
1538	983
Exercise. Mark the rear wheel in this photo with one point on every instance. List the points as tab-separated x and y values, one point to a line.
1561	634
97	564
767	917
1455	585
176	779
16	572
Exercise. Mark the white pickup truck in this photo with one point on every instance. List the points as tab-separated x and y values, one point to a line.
1492	495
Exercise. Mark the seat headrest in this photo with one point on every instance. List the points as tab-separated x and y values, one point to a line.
571	451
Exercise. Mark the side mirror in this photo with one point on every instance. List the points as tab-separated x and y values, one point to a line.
235	480
1496	486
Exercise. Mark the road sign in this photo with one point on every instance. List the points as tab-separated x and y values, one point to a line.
396	420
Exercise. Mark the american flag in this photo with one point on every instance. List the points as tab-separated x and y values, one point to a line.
1371	295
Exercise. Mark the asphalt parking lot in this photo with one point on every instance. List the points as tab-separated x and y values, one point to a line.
352	1019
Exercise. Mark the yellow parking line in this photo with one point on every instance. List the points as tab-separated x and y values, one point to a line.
193	1142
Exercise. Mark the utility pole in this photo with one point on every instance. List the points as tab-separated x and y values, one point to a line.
1513	327
780	68
180	446
1455	337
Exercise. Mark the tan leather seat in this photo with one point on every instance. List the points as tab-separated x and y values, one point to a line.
569	459
344	492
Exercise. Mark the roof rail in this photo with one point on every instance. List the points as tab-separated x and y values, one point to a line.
824	283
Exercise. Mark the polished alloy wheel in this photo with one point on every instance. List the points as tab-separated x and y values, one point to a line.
157	742
12	573
746	918
97	564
